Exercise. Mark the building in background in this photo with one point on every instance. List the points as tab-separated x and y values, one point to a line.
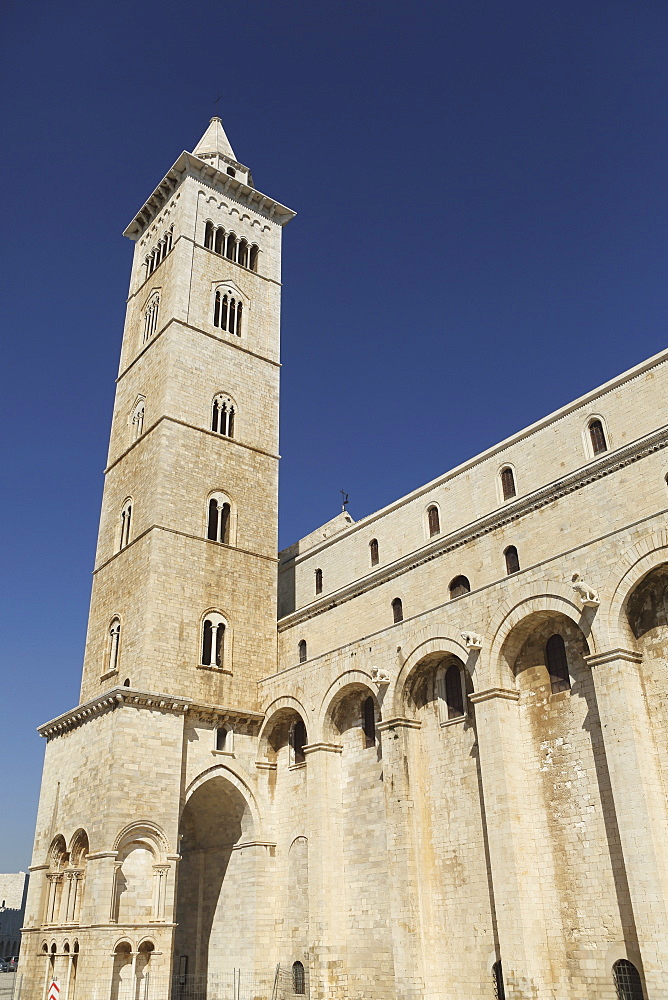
444	775
13	889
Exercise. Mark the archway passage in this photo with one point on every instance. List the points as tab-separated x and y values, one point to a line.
215	910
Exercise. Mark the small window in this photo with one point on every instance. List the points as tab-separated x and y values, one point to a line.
397	610
303	654
497	976
126	521
298	742
231	171
433	520
460	585
298	980
213	641
627	981
222	738
508	483
223	416
114	644
512	560
253	257
454	696
373	551
597	435
218	519
557	664
369	722
318	581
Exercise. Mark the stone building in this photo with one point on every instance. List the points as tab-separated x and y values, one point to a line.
13	888
444	775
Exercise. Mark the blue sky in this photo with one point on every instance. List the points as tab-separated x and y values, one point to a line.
481	236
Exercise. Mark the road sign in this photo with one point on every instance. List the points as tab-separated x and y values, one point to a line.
54	991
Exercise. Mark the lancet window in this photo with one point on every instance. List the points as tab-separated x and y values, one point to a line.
433	520
303	652
223	412
373	551
397	610
597	436
318	581
508	483
227	311
126	521
114	645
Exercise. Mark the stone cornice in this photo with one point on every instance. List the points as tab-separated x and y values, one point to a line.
134	698
610	655
506	694
192	427
606	465
323	748
400	722
189	165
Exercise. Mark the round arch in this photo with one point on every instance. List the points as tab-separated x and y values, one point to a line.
147	832
345	683
639	560
552	598
274	713
437	639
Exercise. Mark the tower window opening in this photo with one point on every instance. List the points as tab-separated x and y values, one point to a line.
318	581
222	416
159	251
302	651
459	586
213	641
397	610
218	520
231	171
114	644
219	241
227	312
508	483
242	255
208	236
253	257
434	521
126	520
369	722
512	560
597	435
231	253
627	981
138	420
557	664
373	551
151	316
298	741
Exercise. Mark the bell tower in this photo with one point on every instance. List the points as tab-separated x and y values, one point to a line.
182	618
183	597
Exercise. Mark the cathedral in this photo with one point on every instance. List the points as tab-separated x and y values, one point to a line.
420	756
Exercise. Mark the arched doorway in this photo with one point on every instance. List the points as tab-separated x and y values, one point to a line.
215	910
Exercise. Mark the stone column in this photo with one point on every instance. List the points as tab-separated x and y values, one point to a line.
327	929
640	804
514	861
403	868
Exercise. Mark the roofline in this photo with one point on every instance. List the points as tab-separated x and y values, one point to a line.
188	163
526	432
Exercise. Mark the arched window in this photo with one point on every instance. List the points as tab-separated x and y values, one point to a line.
218	519
219	240
224	739
557	664
213	640
298	980
222	415
126	520
508	483
114	645
302	651
373	551
298	740
208	236
138	419
231	247
454	695
497	975
460	585
397	610
151	315
227	311
369	722
253	257
512	560
597	435
433	521
627	981
243	253
318	581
